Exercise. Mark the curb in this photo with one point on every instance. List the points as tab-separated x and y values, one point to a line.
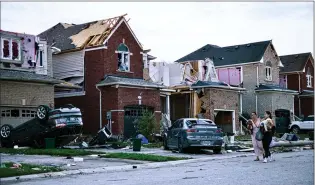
115	168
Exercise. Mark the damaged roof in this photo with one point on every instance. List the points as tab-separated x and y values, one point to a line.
201	84
120	80
15	75
267	87
229	55
71	36
294	62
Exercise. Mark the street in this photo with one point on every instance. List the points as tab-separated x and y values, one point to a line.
289	169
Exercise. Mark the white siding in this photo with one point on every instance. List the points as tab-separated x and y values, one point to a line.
68	65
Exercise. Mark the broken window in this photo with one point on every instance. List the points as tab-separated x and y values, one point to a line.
11	49
268	71
123	58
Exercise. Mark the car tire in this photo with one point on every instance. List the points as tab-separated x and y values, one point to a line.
165	143
42	112
295	129
180	147
217	150
5	131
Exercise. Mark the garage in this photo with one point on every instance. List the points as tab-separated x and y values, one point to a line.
16	115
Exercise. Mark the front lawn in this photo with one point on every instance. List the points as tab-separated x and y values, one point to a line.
25	169
142	157
52	152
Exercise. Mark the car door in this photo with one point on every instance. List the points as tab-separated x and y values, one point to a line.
177	131
170	135
309	123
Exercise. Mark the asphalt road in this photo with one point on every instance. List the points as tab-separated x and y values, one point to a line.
294	168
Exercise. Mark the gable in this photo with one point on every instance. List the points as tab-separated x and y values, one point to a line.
230	55
75	37
294	62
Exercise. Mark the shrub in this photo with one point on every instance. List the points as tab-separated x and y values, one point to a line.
146	125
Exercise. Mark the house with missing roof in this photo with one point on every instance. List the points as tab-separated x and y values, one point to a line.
25	77
298	74
195	91
105	61
253	66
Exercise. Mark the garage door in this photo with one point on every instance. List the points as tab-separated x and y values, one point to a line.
15	115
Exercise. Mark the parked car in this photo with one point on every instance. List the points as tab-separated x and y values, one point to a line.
64	124
307	124
195	133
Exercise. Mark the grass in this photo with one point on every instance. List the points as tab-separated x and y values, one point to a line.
26	169
142	157
52	152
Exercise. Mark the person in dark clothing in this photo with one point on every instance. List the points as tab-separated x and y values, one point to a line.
268	128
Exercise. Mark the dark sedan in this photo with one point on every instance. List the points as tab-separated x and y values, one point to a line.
193	133
64	124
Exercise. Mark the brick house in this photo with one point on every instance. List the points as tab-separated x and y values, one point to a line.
298	74
105	60
253	66
25	77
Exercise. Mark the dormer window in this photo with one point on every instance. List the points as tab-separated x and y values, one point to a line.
268	71
123	58
309	78
10	49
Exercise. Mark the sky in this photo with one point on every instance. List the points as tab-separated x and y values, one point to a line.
174	29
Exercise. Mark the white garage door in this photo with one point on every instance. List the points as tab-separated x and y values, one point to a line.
15	115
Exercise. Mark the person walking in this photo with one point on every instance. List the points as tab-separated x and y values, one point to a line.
267	127
254	126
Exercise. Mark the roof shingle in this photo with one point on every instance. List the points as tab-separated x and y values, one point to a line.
119	80
229	55
294	62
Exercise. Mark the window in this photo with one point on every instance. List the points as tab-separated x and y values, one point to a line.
268	71
123	58
28	113
309	78
309	118
11	49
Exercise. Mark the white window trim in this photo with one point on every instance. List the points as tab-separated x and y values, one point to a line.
123	58
268	77
309	80
10	49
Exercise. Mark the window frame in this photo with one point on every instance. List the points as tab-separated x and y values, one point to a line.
309	80
268	73
18	59
123	53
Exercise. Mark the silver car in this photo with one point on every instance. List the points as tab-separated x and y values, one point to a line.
196	133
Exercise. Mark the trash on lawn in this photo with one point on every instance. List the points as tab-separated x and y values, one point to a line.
144	140
101	137
84	145
16	165
37	169
16	147
94	155
78	159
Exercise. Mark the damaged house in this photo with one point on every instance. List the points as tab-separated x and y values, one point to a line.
194	91
253	66
104	61
25	77
298	74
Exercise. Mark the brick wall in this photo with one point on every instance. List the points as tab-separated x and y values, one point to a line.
34	94
222	99
249	82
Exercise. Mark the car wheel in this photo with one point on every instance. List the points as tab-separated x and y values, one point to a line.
217	150
42	112
180	146
165	143
5	131
295	129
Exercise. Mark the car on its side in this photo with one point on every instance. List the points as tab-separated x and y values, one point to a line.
64	124
194	133
304	125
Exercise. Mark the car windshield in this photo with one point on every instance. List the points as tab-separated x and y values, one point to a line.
199	123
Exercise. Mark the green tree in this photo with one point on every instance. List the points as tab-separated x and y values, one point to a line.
147	124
